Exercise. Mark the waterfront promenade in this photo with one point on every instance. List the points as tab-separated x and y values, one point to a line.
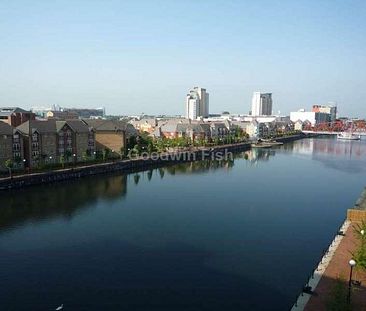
338	271
328	291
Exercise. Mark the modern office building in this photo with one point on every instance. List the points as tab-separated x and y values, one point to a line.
197	103
330	109
261	104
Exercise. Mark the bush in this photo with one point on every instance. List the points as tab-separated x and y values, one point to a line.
337	300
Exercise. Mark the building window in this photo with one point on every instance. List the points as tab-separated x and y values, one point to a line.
35	137
16	147
16	155
35	146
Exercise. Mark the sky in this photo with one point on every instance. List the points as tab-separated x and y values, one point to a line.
136	57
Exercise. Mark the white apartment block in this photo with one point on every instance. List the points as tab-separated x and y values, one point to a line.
197	103
261	104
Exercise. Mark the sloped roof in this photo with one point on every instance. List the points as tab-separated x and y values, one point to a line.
5	129
150	121
48	126
78	126
106	125
10	110
60	125
218	125
241	124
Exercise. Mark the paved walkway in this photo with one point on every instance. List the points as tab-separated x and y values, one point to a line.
338	267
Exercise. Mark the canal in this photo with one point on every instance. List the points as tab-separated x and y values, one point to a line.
230	235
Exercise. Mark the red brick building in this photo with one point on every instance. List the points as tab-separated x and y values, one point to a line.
15	116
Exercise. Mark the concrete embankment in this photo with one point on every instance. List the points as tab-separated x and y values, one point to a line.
125	165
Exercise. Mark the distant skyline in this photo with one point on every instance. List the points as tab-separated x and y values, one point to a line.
144	56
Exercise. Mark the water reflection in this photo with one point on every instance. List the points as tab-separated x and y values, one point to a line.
57	200
346	156
254	156
68	199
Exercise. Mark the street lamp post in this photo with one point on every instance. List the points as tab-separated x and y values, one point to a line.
50	157
352	263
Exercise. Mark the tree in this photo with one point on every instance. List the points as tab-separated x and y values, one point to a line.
337	300
62	160
150	148
18	160
105	154
9	164
123	152
85	156
360	254
68	155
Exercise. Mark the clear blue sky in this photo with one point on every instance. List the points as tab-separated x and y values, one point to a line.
144	56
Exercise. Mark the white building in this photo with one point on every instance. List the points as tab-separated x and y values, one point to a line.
313	117
261	104
197	103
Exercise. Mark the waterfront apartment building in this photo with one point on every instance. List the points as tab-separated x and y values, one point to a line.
49	141
261	104
111	134
329	109
11	145
197	103
15	116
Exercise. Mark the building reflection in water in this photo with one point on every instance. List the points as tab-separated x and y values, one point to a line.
333	153
57	200
255	155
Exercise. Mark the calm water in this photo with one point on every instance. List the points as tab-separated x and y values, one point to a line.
240	235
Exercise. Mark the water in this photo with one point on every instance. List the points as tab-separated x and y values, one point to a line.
237	235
